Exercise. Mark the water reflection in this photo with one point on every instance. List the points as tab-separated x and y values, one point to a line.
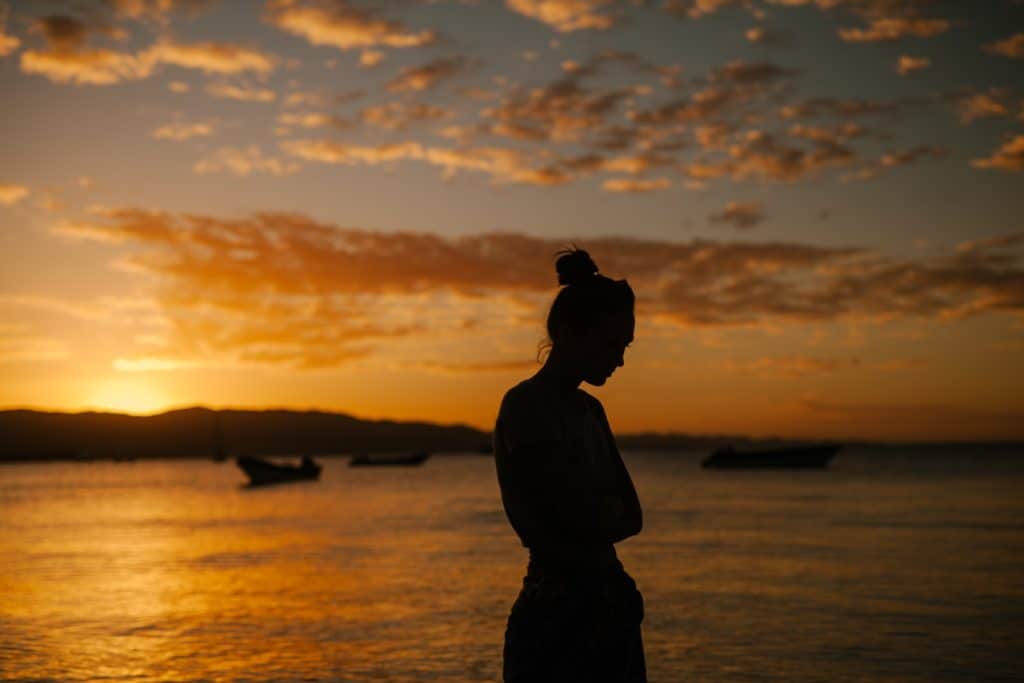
168	571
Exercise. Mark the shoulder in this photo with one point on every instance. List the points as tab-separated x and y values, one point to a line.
525	396
527	414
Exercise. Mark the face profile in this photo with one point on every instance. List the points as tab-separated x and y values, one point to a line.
599	350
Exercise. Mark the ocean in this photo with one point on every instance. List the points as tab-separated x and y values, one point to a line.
894	565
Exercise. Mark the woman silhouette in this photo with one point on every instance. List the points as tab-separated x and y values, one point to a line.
568	495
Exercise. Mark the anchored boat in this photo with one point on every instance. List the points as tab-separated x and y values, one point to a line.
262	472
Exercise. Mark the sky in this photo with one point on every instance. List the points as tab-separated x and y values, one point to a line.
355	206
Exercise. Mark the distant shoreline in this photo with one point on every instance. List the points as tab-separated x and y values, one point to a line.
200	433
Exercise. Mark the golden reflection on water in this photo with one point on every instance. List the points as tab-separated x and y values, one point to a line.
170	571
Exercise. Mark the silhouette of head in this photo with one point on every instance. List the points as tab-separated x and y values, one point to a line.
591	319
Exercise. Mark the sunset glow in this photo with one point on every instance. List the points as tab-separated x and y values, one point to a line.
354	206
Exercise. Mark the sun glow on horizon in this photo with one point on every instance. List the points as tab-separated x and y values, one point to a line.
128	396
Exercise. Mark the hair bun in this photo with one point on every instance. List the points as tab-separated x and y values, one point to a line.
574	266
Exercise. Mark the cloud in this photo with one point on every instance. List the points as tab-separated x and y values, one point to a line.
340	25
8	43
178	87
313	120
740	215
884	29
695	9
761	154
212	58
427	76
156	9
766	36
892	160
400	115
830	106
243	162
596	64
907	65
742	72
562	110
1012	47
635	186
180	130
566	15
12	194
242	92
1009	157
68	58
502	164
290	279
370	58
982	105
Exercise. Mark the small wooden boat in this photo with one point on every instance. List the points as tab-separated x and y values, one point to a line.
362	460
797	457
262	472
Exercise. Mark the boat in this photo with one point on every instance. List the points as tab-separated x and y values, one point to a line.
262	472
363	459
795	457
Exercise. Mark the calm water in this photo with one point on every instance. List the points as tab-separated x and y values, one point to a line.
883	568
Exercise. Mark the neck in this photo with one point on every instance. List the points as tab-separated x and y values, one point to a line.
558	374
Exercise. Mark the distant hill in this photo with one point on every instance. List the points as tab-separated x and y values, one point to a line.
193	433
198	433
32	435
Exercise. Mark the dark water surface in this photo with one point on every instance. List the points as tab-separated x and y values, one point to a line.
889	566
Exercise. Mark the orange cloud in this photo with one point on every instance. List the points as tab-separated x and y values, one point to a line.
68	58
399	115
8	43
342	26
180	130
894	28
243	162
1009	157
907	65
739	214
892	160
85	66
502	164
565	15
11	194
243	92
1012	47
760	154
983	105
635	186
156	9
427	76
212	58
313	120
283	267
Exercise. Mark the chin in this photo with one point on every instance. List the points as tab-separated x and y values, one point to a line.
599	380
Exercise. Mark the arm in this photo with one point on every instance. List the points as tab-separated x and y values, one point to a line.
631	521
562	500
